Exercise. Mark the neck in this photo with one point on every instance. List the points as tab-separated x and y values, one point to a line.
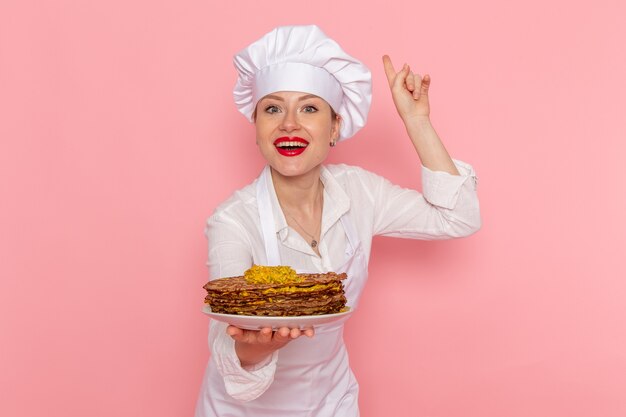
301	193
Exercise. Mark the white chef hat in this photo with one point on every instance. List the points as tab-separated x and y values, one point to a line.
303	58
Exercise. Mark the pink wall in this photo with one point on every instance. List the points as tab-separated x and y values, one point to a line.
119	137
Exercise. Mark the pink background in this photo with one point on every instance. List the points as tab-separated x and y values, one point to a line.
119	137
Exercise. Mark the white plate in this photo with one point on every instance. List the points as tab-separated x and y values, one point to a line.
257	322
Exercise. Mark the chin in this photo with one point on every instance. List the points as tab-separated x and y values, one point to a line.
293	171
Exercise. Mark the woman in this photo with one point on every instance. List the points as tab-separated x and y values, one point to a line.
304	94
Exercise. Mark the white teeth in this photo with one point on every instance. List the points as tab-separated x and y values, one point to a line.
291	144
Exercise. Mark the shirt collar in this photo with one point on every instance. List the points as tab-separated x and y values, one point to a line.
336	201
336	204
280	223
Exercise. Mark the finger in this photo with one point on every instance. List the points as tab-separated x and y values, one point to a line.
410	81
294	333
309	332
390	72
234	332
400	80
281	335
243	337
265	335
425	85
417	91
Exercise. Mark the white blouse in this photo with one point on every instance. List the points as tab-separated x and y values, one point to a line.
448	208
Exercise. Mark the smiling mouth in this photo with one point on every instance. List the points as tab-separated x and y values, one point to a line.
290	146
294	142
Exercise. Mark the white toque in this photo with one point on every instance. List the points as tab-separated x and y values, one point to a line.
304	59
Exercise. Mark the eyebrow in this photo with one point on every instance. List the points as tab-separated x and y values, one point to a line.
304	97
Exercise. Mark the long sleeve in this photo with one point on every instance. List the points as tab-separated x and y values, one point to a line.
447	208
229	255
243	384
229	247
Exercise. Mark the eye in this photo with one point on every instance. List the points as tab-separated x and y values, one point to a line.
309	109
271	109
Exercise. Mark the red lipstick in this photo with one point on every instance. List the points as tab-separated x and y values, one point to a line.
287	146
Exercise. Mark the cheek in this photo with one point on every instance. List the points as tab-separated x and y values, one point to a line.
265	125
261	131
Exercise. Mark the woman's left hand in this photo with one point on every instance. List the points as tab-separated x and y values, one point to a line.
410	95
409	91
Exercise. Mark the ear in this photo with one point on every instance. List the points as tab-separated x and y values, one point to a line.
334	131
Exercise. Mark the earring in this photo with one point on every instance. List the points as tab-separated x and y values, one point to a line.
332	143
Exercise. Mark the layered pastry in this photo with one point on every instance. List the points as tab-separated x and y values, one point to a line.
277	291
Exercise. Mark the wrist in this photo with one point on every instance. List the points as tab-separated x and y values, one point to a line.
251	355
417	121
419	128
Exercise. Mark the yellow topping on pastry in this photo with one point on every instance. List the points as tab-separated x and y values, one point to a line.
271	275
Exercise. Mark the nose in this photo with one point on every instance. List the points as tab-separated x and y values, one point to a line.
289	121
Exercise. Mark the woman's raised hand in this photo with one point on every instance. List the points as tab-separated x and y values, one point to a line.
410	95
409	91
252	346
